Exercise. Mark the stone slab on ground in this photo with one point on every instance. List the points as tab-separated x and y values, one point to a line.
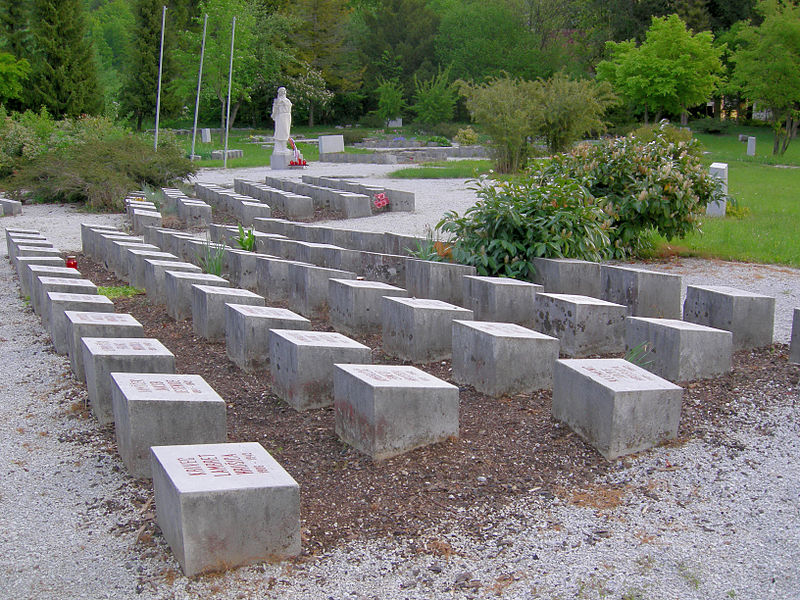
163	410
103	356
679	350
794	344
208	308
44	271
59	302
615	406
154	279
81	324
645	293
437	280
24	273
502	359
584	325
247	332
419	329
568	276
221	506
302	362
356	304
501	299
308	287
178	286
749	316
386	410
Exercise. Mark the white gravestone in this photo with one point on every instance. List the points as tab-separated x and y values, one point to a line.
205	135
718	207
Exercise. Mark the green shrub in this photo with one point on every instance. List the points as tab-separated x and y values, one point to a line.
514	222
211	258
667	132
246	239
355	137
710	125
434	99
390	99
466	137
660	185
438	140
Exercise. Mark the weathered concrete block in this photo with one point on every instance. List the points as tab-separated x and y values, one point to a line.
30	272
750	317
501	359
69	285
437	280
584	325
10	208
155	280
103	356
419	329
208	308
356	304
568	276
82	324
178	285
136	264
89	234
247	332
163	410
23	262
34	252
794	347
617	407
501	299
645	293
678	350
386	410
331	143
62	301
119	260
272	277
302	362
225	505
308	288
14	243
243	268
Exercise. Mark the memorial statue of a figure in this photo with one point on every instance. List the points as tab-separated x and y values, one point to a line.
282	115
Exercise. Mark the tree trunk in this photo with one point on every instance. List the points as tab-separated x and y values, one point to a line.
717	108
139	121
222	119
234	113
646	116
311	114
684	118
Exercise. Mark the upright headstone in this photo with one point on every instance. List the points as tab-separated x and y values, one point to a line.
331	143
751	146
205	135
718	207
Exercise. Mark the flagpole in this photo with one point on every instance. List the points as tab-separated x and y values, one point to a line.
199	80
160	65
230	82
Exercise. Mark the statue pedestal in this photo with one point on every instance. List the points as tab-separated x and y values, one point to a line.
280	160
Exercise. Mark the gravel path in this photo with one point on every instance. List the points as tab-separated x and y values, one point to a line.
716	517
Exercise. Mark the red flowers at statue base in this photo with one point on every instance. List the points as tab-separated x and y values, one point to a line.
298	163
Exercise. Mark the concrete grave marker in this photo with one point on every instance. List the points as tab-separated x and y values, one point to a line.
45	283
355	304
103	356
750	317
584	325
718	207
501	299
178	285
247	332
308	288
302	362
568	276
225	505
208	308
645	293
331	143
31	272
154	279
500	359
386	410
63	301
438	280
23	262
615	406
82	324
205	135
163	409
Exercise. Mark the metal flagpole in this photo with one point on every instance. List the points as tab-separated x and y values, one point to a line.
230	81
160	64
199	80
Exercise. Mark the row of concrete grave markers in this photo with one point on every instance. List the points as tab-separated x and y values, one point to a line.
169	427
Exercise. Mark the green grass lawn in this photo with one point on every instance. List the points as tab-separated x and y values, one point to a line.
445	169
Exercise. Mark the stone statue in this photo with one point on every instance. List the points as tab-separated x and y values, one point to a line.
282	115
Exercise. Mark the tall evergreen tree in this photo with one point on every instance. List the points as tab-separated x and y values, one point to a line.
63	68
141	84
14	33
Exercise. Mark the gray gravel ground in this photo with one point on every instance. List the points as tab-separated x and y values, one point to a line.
718	517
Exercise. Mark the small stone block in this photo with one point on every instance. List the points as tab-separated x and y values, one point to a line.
750	317
178	286
584	325
302	364
247	332
437	280
502	359
645	293
419	329
386	410
81	324
794	346
154	279
501	299
355	304
163	410
44	283
23	262
225	505
62	301
30	272
679	350
136	264
568	276
103	356
308	288
617	407
208	308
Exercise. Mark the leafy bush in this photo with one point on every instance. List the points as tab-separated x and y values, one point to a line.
710	125
466	137
390	99
660	185
514	222
354	137
667	132
434	99
246	239
438	140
